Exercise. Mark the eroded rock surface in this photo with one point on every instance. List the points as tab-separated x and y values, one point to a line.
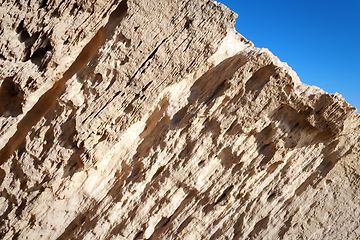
156	120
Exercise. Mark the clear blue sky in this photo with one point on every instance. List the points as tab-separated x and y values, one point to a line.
319	39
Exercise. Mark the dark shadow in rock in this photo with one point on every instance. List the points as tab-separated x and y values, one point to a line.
259	226
39	57
74	165
258	80
227	157
239	227
213	83
73	226
11	98
206	90
2	176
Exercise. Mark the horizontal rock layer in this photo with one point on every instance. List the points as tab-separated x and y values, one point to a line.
156	120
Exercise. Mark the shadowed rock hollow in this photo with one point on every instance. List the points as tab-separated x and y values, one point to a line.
132	119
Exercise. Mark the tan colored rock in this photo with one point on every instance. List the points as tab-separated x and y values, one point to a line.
156	120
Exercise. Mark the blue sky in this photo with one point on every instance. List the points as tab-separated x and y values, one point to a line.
319	39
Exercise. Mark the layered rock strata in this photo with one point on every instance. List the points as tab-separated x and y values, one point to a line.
132	119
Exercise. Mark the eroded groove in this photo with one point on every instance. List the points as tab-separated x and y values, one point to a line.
148	59
106	104
49	98
224	194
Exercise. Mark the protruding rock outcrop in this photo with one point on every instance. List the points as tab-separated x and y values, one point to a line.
156	120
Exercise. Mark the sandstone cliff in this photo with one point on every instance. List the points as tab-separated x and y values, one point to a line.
130	119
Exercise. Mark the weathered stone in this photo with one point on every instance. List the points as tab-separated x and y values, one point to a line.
156	120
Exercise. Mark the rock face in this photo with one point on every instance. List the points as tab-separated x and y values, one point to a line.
156	120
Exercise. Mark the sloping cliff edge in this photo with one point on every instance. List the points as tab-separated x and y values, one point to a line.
132	119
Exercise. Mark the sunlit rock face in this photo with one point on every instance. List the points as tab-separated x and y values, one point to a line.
156	120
